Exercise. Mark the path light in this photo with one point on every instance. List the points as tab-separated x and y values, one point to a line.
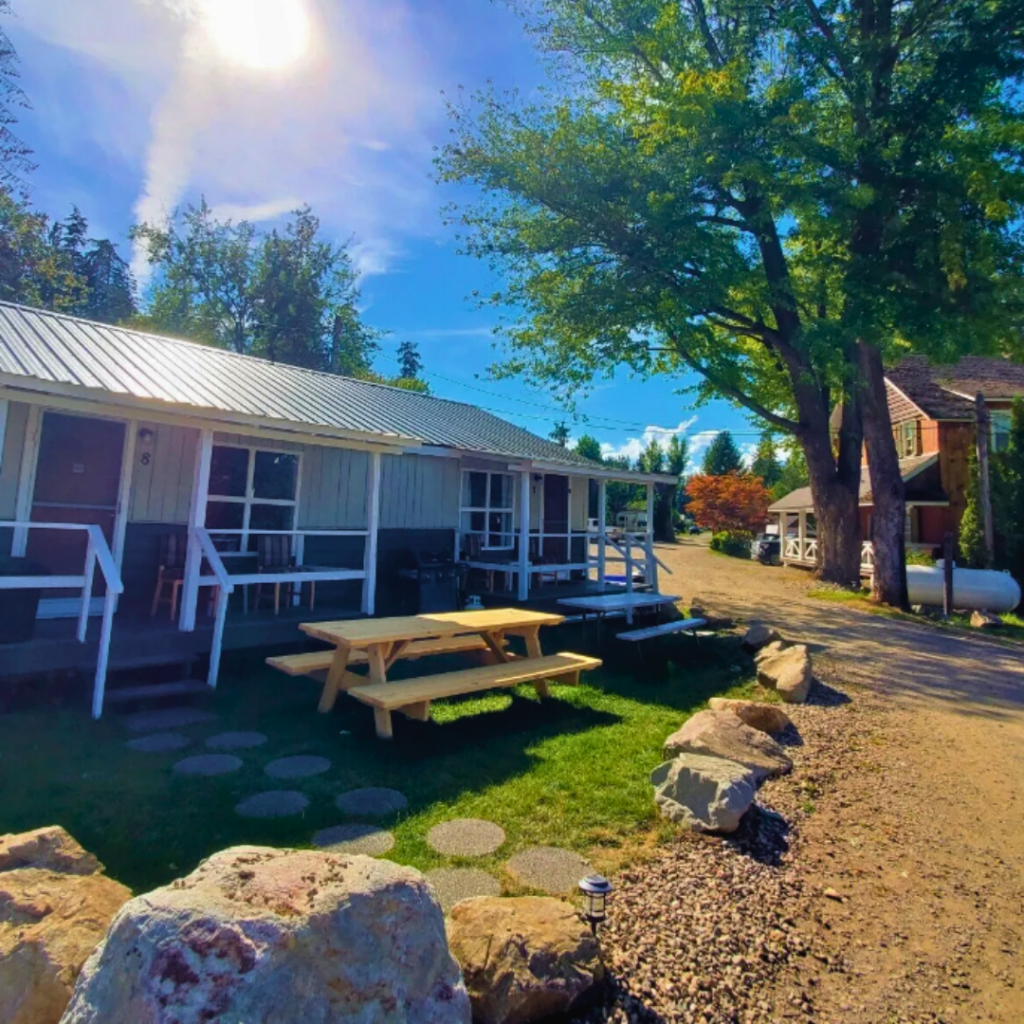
596	889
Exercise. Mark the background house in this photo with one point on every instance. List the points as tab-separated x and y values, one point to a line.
934	420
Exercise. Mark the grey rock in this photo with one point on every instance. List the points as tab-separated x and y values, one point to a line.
756	714
277	936
789	672
706	794
723	734
759	635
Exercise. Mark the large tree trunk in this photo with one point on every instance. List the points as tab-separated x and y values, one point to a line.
889	583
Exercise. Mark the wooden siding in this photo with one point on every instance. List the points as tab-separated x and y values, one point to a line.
10	463
333	489
955	443
420	492
162	483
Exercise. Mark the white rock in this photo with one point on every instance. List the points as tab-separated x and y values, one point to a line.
759	635
706	794
789	672
760	716
277	936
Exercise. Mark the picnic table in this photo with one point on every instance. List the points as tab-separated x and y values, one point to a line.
625	602
379	643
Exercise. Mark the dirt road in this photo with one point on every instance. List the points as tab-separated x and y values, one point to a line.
919	834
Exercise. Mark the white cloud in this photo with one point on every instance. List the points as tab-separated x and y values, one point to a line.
635	445
346	128
256	212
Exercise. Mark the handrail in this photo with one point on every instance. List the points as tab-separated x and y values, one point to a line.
97	552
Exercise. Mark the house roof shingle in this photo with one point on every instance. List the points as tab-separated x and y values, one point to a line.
57	349
947	392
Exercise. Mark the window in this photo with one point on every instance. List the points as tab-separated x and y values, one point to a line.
908	439
1000	431
487	500
250	489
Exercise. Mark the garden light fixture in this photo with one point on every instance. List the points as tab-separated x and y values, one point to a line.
596	889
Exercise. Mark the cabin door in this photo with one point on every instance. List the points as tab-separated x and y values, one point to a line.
556	518
78	480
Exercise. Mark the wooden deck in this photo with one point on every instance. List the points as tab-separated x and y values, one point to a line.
139	641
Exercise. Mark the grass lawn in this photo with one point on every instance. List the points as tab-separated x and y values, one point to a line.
568	772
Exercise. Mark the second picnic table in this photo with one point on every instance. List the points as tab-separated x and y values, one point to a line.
381	642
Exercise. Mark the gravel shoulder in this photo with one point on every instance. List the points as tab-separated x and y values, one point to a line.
892	891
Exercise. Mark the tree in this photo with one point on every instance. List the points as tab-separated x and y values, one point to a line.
289	296
409	361
15	155
793	474
766	462
677	456
589	447
722	456
776	196
110	287
560	433
733	502
973	549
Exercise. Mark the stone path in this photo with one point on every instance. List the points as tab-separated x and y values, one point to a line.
275	803
452	885
466	837
236	740
158	742
371	802
549	868
367	839
166	718
208	764
300	767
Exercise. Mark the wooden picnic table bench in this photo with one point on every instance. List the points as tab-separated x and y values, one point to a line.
664	629
379	643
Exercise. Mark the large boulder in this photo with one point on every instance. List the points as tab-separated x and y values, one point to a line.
723	734
706	794
789	672
276	936
763	717
525	958
55	908
769	651
759	635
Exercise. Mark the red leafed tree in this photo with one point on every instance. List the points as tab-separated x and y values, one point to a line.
736	501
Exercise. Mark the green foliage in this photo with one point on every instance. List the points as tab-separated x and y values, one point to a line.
766	463
589	447
722	456
793	474
916	557
973	550
732	542
652	458
15	155
1007	484
409	361
560	433
289	296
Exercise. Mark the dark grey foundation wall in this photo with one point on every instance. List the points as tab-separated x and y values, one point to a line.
142	558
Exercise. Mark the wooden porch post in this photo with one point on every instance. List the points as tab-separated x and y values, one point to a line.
651	573
196	520
524	535
373	524
802	531
4	406
602	542
27	479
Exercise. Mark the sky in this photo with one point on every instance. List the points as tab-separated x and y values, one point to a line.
263	105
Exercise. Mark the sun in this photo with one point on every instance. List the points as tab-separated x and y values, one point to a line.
263	35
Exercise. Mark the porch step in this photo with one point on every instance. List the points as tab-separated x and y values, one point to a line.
178	689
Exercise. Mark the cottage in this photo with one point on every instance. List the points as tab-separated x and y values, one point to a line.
934	423
168	481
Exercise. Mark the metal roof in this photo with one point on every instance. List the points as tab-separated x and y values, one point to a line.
56	349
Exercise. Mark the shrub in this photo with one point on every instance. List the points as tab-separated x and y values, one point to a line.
916	557
732	542
731	503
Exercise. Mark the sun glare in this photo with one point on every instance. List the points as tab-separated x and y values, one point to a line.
264	35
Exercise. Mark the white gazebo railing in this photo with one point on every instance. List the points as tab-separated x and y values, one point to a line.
800	549
97	552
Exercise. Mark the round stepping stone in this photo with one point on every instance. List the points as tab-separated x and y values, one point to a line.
208	764
549	868
466	837
159	742
300	767
453	885
367	839
275	803
166	718
371	802
236	740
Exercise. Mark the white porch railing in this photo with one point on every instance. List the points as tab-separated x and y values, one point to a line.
867	558
801	549
226	581
97	552
635	551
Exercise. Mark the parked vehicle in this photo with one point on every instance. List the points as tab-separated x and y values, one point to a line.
631	521
766	549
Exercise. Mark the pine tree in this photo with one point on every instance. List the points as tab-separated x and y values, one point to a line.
766	463
973	550
409	361
15	156
722	456
560	433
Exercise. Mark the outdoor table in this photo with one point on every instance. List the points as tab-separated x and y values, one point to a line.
385	641
625	602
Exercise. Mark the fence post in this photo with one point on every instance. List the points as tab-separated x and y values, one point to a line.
947	574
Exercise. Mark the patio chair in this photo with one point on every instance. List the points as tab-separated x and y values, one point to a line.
274	555
171	575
